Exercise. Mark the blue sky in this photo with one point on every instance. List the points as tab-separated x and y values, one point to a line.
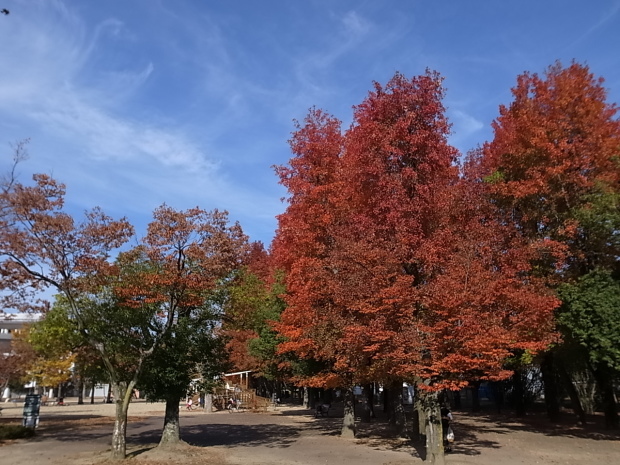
133	103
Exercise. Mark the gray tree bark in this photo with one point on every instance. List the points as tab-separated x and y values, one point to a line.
575	400
348	422
122	397
434	434
171	433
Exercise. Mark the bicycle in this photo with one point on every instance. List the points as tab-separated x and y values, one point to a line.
233	405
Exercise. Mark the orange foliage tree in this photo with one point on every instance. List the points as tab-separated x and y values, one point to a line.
396	268
42	246
303	247
554	151
184	257
552	168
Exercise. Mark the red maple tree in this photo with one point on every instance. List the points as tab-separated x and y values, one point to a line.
553	146
552	169
396	268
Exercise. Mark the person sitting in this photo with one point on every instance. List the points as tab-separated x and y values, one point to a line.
322	410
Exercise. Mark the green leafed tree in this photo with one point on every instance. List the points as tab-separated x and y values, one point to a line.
252	305
56	339
590	314
189	357
184	257
42	246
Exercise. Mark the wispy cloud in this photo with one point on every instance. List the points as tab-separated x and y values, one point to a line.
465	129
52	79
91	116
604	19
351	30
110	137
355	25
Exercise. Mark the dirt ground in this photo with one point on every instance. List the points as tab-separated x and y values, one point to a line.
80	435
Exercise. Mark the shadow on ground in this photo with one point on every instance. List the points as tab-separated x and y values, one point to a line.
536	422
282	428
270	435
76	428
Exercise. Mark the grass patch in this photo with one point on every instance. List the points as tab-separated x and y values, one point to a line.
15	432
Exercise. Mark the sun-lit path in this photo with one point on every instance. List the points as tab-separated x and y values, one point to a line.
286	436
80	435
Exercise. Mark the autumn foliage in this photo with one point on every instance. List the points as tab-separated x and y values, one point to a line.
555	149
396	258
396	266
552	168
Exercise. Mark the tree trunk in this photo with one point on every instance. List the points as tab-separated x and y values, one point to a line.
610	406
572	393
370	398
434	433
586	386
80	389
386	400
306	398
498	395
312	397
457	400
348	422
475	396
367	413
419	417
171	433
416	431
397	412
550	382
518	392
122	397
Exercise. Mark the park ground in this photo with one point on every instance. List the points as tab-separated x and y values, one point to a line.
80	435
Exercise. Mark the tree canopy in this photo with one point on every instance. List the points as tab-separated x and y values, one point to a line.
396	266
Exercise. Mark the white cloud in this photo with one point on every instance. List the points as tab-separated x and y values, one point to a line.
465	123
108	137
465	130
355	24
605	18
47	78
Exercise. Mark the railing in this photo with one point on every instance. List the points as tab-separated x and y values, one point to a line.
245	399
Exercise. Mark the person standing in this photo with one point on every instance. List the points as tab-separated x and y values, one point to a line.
448	434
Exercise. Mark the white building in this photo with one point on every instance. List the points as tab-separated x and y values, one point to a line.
10	323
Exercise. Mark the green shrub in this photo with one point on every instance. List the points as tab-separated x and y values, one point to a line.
15	432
